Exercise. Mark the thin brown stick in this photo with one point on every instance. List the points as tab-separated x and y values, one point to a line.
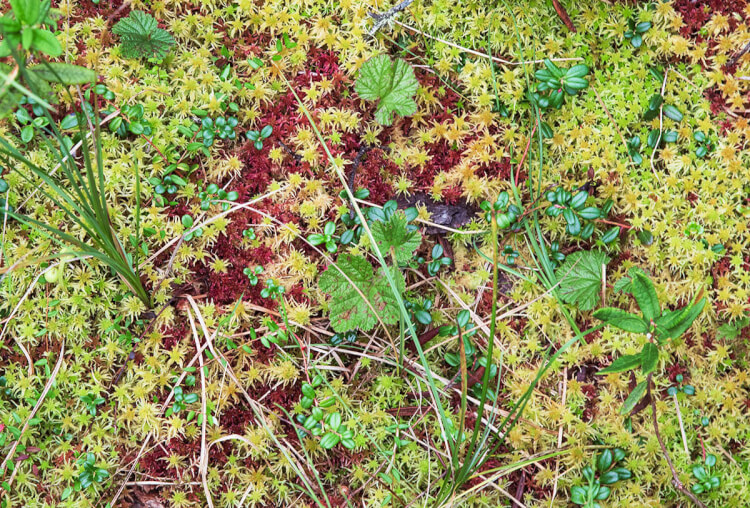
563	15
675	477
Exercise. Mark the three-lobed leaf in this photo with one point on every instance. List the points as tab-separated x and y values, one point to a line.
393	83
141	37
581	278
394	234
359	297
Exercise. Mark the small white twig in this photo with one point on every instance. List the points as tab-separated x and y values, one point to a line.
682	427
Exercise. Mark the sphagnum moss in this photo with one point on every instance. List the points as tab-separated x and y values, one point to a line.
453	147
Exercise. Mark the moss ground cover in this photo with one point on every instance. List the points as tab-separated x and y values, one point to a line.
470	258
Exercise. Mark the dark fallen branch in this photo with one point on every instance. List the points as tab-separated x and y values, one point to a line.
383	18
736	58
291	152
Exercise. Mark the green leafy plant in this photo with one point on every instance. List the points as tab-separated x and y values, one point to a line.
213	195
187	222
328	426
141	37
359	296
91	473
30	125
703	145
506	214
580	277
393	235
420	310
656	104
164	186
580	219
598	480
25	24
636	31
252	274
634	145
327	238
392	84
658	326
686	389
273	290
257	137
133	123
708	479
222	127
437	262
554	83
349	337
92	400
181	400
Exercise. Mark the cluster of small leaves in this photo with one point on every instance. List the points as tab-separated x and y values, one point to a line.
703	145
438	260
222	127
91	401
317	423
349	337
505	214
510	254
708	479
686	389
252	274
133	123
420	310
658	326
249	233
213	195
273	291
257	137
141	37
276	333
392	84
166	185
30	124
187	222
607	472
90	472
636	31
554	83
580	220
695	230
181	399
327	238
351	220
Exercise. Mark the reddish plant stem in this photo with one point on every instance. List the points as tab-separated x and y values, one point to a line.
675	477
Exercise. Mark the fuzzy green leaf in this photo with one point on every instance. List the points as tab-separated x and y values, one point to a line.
348	309
393	234
393	83
581	278
141	37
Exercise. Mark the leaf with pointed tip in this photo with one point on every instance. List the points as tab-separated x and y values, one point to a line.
634	397
621	319
645	295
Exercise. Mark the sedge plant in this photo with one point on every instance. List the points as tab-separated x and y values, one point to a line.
78	192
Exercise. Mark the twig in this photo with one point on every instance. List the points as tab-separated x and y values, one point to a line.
675	478
563	15
479	53
382	19
661	123
682	427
